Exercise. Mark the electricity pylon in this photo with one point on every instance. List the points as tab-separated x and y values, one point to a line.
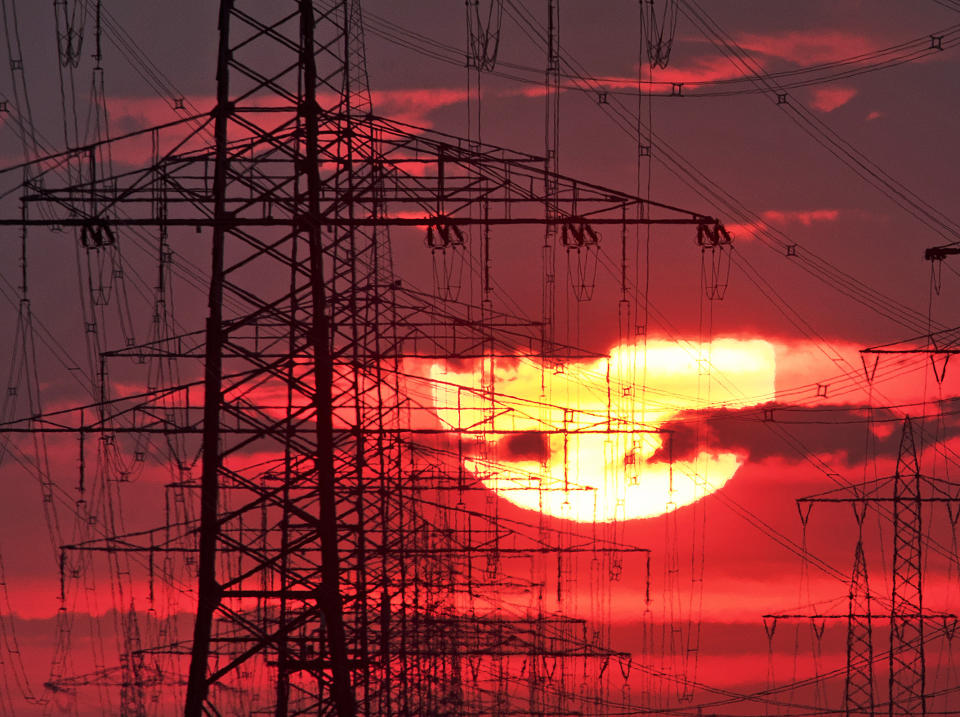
318	564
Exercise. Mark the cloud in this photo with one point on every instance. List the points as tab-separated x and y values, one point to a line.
130	114
708	68
791	433
525	446
692	71
413	106
804	217
806	47
133	114
827	99
798	47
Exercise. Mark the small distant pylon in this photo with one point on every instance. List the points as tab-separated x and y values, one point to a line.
907	660
905	493
858	688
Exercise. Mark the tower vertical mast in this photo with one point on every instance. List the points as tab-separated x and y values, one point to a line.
907	660
551	162
332	605
208	589
858	683
329	577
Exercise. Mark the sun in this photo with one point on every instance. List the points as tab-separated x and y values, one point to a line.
581	441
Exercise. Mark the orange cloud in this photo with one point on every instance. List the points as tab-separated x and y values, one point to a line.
133	114
827	99
795	47
707	68
413	106
804	217
806	47
129	114
702	69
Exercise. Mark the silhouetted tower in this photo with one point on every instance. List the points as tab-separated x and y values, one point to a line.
551	137
899	498
324	578
858	694
322	362
907	659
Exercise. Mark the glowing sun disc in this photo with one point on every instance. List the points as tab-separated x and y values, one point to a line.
590	426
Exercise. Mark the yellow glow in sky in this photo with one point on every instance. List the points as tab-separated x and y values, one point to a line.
570	442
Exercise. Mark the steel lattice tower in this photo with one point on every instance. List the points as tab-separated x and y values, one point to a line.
900	498
319	565
907	659
858	694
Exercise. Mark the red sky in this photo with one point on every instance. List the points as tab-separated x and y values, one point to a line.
825	262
